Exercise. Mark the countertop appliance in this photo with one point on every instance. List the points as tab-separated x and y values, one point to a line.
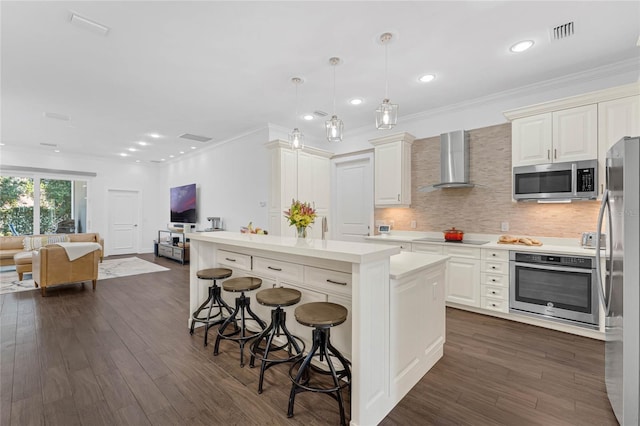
216	224
621	294
576	180
559	287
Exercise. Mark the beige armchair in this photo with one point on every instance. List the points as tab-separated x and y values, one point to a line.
51	266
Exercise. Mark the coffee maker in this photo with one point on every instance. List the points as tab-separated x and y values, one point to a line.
216	224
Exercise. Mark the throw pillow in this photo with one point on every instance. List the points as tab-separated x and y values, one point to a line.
35	242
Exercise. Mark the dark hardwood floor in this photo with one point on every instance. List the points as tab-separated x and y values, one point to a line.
123	355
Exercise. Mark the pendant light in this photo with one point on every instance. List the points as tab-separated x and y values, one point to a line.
334	126
296	137
387	113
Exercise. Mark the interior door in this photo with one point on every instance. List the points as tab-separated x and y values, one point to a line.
124	208
353	197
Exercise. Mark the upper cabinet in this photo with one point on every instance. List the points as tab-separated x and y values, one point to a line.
566	135
616	118
297	174
392	180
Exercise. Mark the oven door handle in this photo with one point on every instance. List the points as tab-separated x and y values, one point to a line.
544	267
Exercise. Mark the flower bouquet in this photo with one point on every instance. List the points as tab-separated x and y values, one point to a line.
300	215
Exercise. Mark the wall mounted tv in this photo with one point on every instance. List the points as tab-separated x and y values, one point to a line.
183	204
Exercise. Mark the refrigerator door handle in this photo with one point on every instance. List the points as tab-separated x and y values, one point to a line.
605	299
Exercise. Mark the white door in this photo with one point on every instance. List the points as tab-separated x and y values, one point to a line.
352	179
124	208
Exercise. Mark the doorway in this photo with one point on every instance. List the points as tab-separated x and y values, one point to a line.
352	178
123	217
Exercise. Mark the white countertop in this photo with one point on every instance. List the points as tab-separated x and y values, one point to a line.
406	263
344	251
549	244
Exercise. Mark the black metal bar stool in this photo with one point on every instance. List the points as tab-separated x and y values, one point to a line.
277	298
322	316
239	335
213	301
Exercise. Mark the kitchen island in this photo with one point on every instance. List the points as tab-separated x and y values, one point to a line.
395	330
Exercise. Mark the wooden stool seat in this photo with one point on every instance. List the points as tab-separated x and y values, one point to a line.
321	314
278	296
214	273
236	285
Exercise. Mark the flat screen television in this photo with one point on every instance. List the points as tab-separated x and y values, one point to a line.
183	204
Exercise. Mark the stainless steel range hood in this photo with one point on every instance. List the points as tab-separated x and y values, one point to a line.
454	160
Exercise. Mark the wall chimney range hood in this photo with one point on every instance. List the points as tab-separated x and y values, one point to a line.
454	162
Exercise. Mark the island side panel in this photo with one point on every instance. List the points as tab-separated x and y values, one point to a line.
371	393
202	257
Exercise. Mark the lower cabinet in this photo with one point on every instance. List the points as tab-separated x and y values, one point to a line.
494	280
463	281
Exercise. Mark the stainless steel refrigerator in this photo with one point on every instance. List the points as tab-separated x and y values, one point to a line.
620	211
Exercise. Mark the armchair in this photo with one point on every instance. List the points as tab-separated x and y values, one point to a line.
51	266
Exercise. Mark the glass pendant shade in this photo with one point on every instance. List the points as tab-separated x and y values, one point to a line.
334	128
296	139
386	115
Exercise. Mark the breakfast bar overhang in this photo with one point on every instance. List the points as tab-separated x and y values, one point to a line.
397	304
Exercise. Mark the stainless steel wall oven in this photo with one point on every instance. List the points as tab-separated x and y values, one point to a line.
559	287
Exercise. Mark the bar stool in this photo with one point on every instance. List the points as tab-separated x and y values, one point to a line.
322	316
213	301
277	298
239	335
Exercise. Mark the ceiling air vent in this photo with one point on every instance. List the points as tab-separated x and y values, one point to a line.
320	113
562	31
194	137
54	145
57	116
156	161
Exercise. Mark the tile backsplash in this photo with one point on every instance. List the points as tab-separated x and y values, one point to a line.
484	207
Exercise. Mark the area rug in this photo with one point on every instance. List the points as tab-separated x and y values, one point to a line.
111	268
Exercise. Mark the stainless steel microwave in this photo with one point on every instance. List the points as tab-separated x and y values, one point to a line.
575	180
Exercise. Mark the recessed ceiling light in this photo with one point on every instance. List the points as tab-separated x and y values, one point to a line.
137	161
521	46
355	101
193	147
56	150
308	117
132	149
123	154
154	135
427	78
181	152
1	143
171	156
162	159
143	143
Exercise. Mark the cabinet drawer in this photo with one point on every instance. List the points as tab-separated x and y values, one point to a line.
500	280
495	304
471	252
328	280
495	254
165	250
427	248
234	260
278	269
177	252
404	246
495	292
495	267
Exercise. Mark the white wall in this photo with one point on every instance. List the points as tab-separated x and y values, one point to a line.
116	174
232	180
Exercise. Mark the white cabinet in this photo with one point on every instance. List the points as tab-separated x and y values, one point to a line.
404	246
427	248
297	174
494	280
616	118
463	275
392	179
566	135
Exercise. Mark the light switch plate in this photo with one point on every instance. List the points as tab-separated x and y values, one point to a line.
504	226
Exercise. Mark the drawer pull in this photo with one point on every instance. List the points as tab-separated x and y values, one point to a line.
229	259
493	292
493	304
493	267
493	254
493	279
335	282
274	269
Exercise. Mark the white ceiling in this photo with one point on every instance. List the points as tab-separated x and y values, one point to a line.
221	69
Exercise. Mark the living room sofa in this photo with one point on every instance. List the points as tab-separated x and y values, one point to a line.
14	250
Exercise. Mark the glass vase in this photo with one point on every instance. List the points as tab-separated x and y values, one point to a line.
302	232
